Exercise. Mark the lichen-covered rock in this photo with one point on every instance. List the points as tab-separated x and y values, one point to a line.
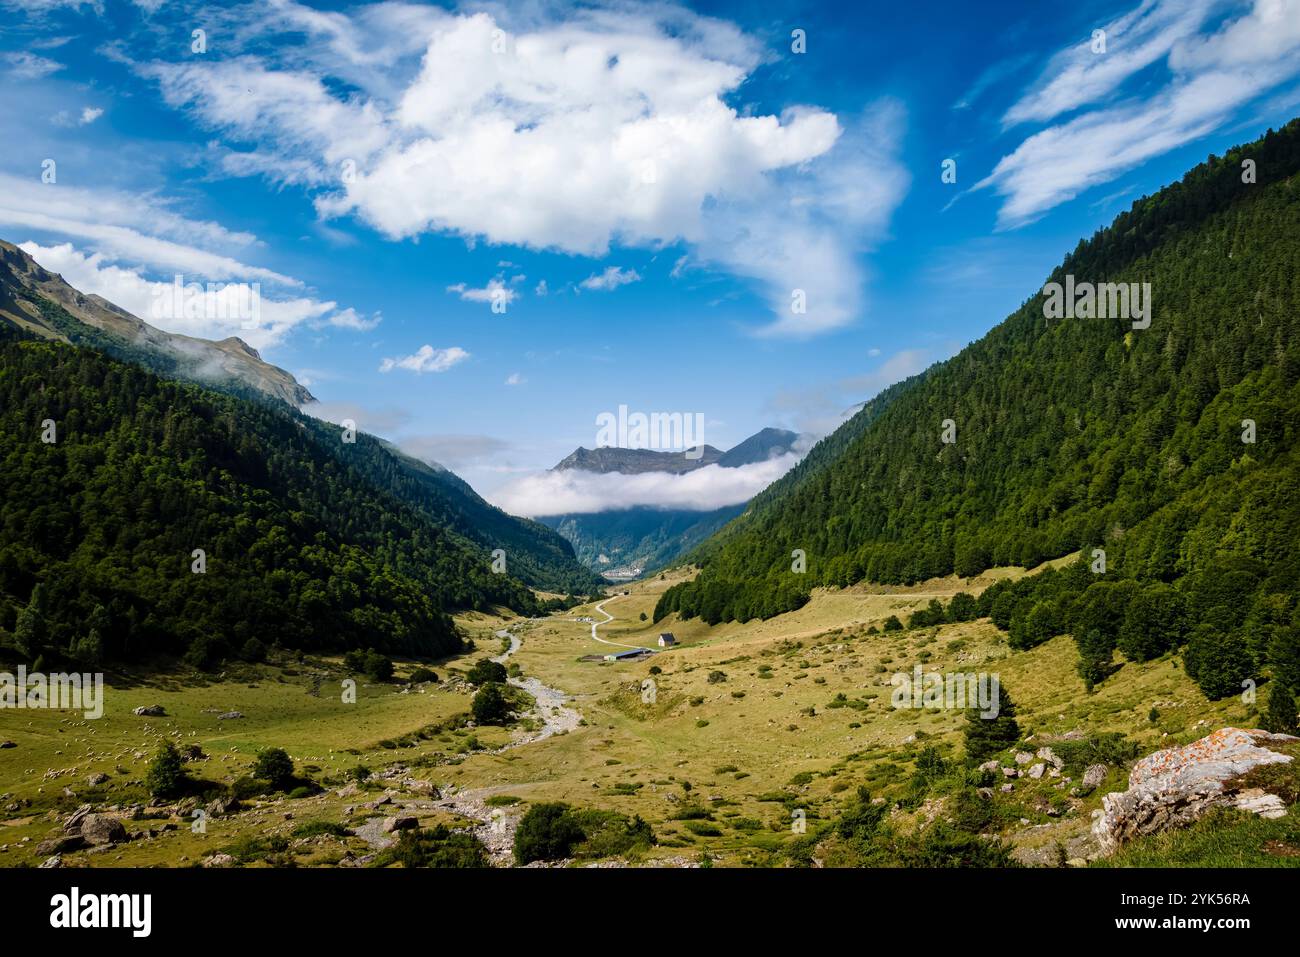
1175	787
98	829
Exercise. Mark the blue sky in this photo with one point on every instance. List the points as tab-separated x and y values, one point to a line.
644	187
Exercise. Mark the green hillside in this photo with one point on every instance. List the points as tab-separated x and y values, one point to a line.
302	547
1074	433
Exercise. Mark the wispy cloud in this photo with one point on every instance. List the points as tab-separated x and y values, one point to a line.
1211	75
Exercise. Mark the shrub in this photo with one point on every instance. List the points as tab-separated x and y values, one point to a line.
490	705
893	624
547	832
274	766
166	777
486	671
438	846
378	667
422	674
253	651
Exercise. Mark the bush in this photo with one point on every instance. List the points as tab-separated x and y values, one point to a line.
547	832
486	671
253	651
490	705
378	667
438	846
419	675
893	624
274	766
166	776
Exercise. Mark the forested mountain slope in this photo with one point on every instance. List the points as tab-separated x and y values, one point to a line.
1072	433
40	303
300	546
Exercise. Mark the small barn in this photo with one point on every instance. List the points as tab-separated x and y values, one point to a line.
667	639
628	655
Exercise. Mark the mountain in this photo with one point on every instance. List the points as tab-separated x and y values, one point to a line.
759	447
1171	448
37	303
636	461
27	291
626	543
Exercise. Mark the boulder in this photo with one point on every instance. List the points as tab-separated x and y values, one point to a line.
150	711
100	829
1024	757
1051	757
96	779
7	744
1175	787
61	844
218	860
73	824
1037	770
1093	775
394	824
230	715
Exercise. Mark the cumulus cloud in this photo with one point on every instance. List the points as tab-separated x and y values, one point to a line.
704	489
567	131
216	317
1210	76
426	359
611	278
89	114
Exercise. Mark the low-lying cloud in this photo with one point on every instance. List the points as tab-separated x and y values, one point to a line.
573	490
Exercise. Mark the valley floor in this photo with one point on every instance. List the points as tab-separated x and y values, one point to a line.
744	724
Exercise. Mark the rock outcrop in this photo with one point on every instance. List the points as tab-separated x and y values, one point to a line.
1175	787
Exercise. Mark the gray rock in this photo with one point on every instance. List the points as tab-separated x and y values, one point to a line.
150	711
394	824
230	715
1093	775
1175	787
1037	770
1024	757
218	860
100	829
96	779
61	845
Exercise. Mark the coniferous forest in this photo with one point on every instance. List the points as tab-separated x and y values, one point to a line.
1171	449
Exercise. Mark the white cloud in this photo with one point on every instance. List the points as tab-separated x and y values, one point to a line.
704	489
454	452
89	114
1135	40
29	66
495	291
1212	76
426	359
515	379
611	278
151	300
608	125
135	228
541	289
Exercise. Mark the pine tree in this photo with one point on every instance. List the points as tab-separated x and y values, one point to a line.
1281	715
987	736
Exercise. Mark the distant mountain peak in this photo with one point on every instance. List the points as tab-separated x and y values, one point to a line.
762	445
